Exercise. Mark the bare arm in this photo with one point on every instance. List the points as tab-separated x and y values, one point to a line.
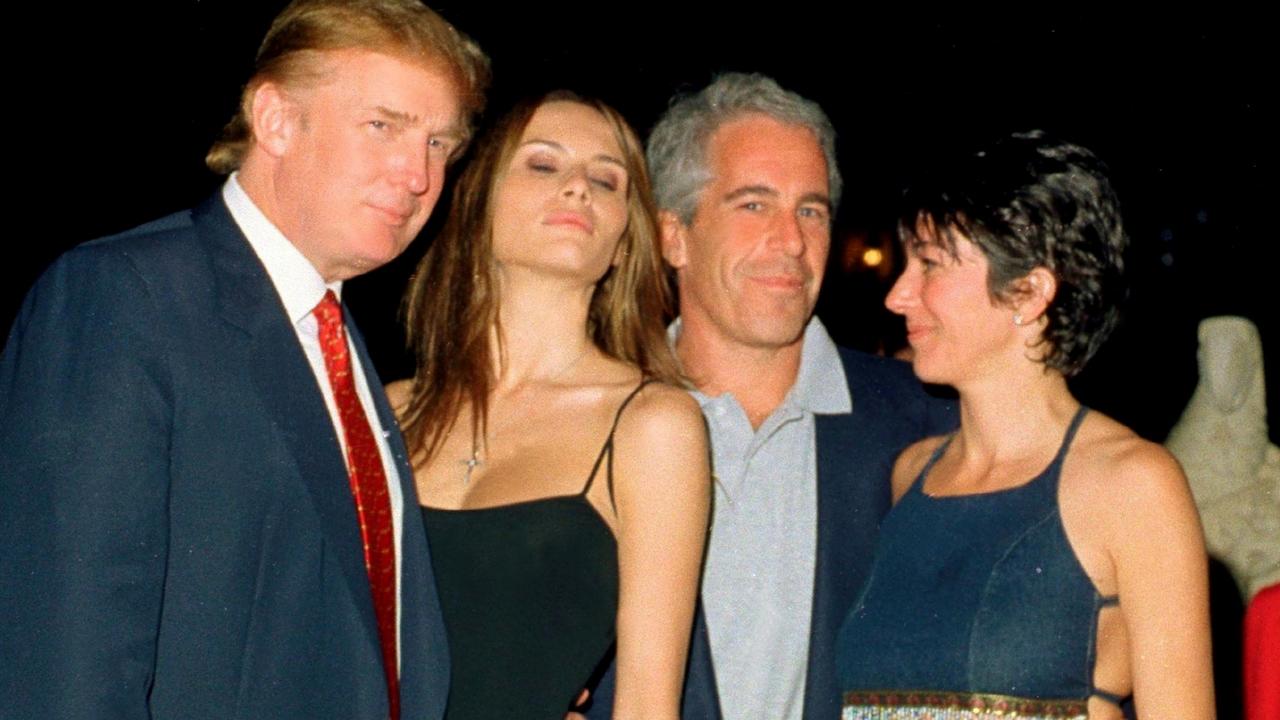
662	488
1158	552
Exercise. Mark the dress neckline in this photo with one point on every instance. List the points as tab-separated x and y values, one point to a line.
1055	464
507	506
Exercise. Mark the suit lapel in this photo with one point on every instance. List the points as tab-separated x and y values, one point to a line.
833	434
287	387
849	512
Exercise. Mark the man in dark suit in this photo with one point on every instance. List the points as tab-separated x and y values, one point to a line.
804	433
202	489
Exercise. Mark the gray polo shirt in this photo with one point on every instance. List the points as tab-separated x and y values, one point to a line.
757	589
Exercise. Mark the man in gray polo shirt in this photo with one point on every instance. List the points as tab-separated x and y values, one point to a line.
803	433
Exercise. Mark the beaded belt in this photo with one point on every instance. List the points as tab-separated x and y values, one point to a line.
925	705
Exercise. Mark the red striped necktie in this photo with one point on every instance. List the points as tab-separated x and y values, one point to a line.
368	487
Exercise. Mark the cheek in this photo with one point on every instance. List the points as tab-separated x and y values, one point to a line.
504	208
515	197
816	257
613	216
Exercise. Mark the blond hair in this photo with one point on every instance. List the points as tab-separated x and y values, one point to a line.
291	54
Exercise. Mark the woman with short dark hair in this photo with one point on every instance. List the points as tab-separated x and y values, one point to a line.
1043	561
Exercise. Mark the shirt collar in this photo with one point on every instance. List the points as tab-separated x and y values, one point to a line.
820	387
296	280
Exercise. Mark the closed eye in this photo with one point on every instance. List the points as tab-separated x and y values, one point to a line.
541	165
607	183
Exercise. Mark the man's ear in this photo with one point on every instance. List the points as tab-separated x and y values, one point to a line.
274	117
1034	293
675	237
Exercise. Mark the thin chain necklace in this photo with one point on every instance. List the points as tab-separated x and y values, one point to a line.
473	462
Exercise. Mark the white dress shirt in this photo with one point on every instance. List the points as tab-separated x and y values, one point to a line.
301	288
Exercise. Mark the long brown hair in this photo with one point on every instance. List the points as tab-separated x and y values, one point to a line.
451	306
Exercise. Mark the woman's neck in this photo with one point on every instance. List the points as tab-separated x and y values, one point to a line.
1006	415
543	325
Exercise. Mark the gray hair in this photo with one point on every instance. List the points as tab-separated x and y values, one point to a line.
677	147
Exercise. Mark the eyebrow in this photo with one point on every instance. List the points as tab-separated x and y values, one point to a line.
602	157
405	118
397	115
769	191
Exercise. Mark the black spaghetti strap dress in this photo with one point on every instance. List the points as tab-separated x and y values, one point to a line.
529	593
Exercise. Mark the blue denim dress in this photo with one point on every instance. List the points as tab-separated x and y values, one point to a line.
976	607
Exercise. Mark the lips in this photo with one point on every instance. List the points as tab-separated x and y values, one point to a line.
572	219
915	333
782	278
781	282
396	215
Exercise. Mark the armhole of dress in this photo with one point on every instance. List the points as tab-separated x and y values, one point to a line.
606	452
1095	691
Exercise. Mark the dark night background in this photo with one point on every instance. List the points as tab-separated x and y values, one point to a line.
113	117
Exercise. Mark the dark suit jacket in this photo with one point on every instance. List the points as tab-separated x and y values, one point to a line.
855	460
179	538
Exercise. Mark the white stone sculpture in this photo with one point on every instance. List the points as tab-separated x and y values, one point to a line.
1234	470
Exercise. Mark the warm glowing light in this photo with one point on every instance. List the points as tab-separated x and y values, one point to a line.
872	257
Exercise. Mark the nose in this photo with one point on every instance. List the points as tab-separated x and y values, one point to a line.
413	167
789	236
577	184
905	291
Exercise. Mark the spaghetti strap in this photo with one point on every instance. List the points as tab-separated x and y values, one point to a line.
1113	698
607	449
933	459
1070	435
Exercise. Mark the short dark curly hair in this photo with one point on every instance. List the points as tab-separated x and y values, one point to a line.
1027	201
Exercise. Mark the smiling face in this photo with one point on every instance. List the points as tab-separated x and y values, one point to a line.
560	205
359	158
750	264
955	328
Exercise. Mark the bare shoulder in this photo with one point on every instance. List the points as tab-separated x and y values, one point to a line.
659	401
911	462
1123	467
1130	489
398	394
664	415
661	439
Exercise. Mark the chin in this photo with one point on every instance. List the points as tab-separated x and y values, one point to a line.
778	333
386	247
929	374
